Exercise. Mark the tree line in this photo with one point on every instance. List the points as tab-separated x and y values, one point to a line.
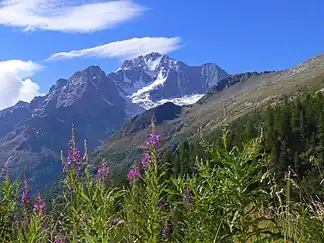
292	132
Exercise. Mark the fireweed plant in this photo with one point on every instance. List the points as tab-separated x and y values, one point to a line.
231	197
145	219
88	205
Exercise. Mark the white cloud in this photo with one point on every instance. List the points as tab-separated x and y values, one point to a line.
124	49
66	15
15	84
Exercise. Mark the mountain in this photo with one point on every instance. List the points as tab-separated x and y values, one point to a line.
233	97
155	79
33	134
11	116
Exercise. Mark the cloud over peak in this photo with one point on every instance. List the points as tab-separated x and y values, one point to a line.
125	49
15	84
66	15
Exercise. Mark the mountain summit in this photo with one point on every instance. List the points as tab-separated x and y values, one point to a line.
155	79
32	135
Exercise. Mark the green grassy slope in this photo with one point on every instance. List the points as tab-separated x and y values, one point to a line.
251	93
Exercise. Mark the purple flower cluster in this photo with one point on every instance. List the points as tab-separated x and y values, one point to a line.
167	230
40	205
188	196
74	159
25	197
103	171
59	239
133	174
153	140
146	160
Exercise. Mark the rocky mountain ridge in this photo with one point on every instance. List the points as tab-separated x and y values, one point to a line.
33	134
155	79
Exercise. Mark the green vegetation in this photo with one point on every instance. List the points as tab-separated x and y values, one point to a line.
227	193
248	94
292	132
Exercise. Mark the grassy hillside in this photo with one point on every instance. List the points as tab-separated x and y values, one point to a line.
248	94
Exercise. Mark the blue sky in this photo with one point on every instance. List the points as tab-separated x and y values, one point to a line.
238	35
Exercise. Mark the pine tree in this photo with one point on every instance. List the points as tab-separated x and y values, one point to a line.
167	161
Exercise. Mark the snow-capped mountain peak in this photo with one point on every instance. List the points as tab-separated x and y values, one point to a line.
154	78
150	63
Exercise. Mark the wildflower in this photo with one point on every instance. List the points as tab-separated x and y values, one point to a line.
167	230
40	204
188	196
153	140
26	196
59	239
77	156
133	174
69	158
146	159
103	171
74	158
